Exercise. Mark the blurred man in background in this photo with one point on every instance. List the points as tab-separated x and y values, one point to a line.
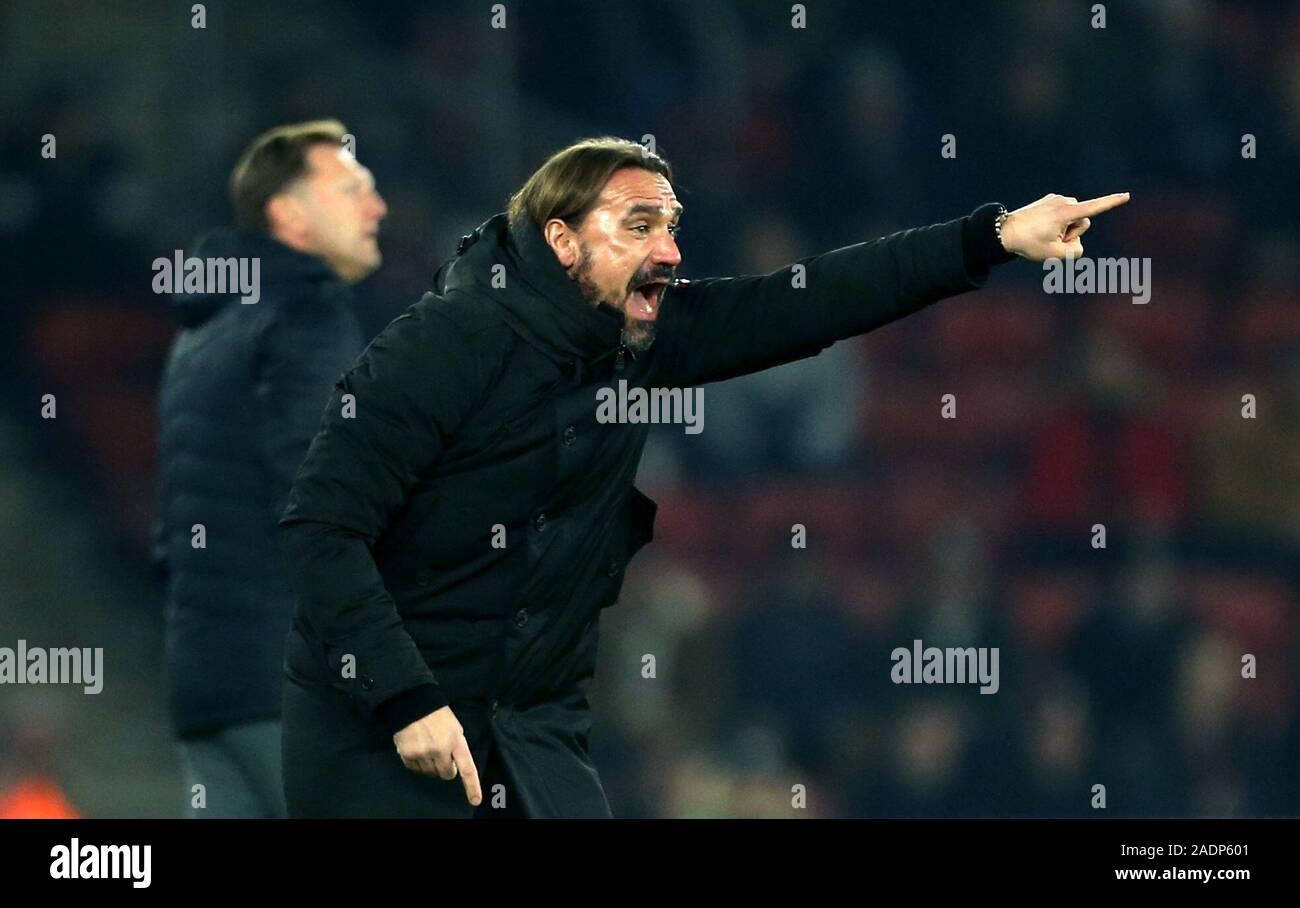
241	398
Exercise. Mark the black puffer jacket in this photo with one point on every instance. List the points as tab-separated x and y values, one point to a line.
241	398
475	414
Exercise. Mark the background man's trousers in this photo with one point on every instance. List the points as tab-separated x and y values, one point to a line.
532	761
239	769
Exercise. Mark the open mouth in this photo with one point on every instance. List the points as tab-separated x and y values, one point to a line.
645	300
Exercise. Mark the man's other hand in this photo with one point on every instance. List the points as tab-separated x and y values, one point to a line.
436	746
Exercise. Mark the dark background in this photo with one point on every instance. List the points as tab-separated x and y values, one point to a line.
1119	666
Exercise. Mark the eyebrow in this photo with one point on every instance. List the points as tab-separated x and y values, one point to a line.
646	208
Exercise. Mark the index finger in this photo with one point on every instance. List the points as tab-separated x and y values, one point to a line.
468	772
1093	207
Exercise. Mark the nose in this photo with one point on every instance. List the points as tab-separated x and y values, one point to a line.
666	252
378	206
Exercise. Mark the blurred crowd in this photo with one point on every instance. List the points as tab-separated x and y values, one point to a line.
1121	666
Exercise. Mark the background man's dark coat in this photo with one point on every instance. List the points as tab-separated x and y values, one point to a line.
242	395
476	411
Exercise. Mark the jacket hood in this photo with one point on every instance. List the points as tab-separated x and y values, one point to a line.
278	265
541	302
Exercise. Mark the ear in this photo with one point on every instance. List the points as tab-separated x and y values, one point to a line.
562	240
283	212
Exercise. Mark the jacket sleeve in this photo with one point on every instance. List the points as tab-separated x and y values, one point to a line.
384	427
302	355
720	328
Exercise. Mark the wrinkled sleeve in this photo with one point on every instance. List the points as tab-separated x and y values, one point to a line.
719	328
386	424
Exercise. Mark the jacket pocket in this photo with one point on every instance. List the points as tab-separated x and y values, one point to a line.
641	510
633	528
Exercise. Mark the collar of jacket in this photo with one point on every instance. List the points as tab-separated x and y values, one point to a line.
278	265
540	301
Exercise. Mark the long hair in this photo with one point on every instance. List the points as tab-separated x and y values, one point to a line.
568	184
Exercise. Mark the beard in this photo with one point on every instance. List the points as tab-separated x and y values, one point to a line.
638	333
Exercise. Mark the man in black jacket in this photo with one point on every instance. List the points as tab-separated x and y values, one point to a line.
241	398
463	515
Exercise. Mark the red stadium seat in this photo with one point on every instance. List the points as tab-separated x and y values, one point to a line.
994	410
1169	332
76	340
1268	322
1001	329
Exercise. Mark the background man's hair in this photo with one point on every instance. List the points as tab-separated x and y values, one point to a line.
570	181
273	161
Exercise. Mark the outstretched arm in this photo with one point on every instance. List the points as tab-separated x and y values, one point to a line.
720	328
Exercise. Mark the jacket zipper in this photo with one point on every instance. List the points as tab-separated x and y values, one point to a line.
621	352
